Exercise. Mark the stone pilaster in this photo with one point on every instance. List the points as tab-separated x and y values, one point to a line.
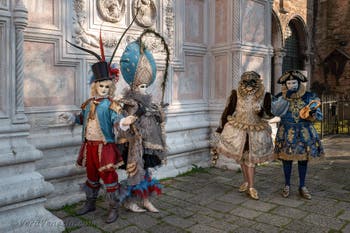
23	189
20	20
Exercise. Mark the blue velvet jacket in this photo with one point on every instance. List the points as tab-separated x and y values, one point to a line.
108	114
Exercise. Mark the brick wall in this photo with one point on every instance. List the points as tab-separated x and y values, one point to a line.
332	31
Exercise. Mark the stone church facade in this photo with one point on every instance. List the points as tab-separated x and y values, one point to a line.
211	41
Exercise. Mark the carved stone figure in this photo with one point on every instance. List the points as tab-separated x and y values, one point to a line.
147	13
111	10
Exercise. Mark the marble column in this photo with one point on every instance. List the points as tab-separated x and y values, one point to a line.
23	189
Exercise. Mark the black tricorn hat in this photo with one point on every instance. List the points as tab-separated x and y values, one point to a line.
292	75
101	71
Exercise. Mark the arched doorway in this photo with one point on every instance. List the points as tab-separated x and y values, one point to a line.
289	48
293	60
296	46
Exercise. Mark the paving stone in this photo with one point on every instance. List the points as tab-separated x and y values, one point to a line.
246	230
258	205
181	212
203	229
272	219
300	226
117	225
245	213
131	229
290	212
346	229
233	198
178	222
180	194
201	219
220	206
222	180
325	221
165	228
345	215
286	201
142	220
208	212
223	226
87	230
266	228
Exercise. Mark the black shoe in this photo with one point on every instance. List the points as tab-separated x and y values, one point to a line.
113	207
112	215
90	205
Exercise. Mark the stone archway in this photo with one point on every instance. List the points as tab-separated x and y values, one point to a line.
296	46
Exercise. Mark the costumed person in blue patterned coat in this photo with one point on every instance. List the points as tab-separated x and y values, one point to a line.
100	117
244	133
296	139
144	145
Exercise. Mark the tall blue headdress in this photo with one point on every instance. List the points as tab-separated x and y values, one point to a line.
138	65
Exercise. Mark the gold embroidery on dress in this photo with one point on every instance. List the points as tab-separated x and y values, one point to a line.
294	107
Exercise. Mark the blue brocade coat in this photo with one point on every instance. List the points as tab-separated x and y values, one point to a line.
296	138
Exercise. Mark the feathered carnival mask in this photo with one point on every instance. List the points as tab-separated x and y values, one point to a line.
103	70
138	65
292	75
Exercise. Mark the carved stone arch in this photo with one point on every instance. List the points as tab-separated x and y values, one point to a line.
296	36
302	31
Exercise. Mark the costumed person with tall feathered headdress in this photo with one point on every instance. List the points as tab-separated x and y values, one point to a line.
144	145
244	134
100	117
296	138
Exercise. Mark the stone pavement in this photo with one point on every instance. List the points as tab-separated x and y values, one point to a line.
207	200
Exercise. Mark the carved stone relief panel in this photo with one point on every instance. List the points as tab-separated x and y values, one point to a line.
147	12
81	35
253	63
221	21
253	26
111	10
221	75
194	21
188	85
46	84
40	11
169	24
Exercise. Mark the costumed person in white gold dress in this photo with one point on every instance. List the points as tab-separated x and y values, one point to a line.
296	138
144	145
244	135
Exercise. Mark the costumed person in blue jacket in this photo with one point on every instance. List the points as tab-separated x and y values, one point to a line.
245	134
296	138
144	145
101	116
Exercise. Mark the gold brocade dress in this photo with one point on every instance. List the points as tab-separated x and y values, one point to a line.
245	132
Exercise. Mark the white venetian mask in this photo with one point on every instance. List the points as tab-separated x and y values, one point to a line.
103	87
